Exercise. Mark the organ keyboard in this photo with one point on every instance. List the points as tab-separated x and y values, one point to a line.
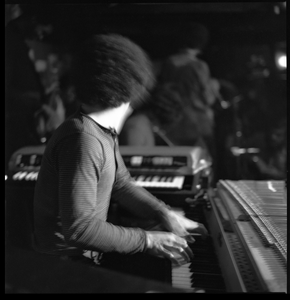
155	181
24	166
161	167
170	173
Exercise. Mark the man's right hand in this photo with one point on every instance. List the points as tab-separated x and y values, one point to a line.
168	245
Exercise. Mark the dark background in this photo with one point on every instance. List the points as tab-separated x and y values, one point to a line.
245	38
237	30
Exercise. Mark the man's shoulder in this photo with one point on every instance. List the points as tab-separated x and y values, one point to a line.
72	124
79	123
78	127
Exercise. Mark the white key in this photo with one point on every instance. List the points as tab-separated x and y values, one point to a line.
139	180
182	283
22	175
147	182
178	182
154	181
16	175
29	176
35	175
181	277
162	182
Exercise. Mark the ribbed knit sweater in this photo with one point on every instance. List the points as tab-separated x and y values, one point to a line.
81	171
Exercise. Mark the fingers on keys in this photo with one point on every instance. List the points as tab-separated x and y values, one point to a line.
200	230
179	251
189	238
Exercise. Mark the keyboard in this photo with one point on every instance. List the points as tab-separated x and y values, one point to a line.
203	272
159	181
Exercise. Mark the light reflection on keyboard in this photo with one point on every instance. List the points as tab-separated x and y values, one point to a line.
159	181
27	176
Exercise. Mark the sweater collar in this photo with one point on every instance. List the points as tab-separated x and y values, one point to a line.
109	130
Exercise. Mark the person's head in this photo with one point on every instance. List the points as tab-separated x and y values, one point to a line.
33	21
193	36
109	70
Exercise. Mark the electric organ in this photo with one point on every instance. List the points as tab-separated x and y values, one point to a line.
246	250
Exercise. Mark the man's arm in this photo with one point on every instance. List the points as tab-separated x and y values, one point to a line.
83	216
143	204
133	198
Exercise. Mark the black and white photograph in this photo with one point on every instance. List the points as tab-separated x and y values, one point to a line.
146	148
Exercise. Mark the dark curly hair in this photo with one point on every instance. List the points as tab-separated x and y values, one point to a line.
109	69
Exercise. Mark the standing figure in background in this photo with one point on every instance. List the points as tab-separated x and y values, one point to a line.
188	77
24	92
181	102
145	126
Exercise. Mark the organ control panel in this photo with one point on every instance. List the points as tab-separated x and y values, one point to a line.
24	165
170	173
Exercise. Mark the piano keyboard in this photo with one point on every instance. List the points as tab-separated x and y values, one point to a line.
159	181
203	271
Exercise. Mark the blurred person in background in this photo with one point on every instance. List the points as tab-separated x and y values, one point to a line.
186	75
180	109
271	161
25	95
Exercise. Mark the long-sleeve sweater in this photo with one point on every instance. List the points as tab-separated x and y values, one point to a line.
81	171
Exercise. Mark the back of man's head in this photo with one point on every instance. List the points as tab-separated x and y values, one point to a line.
109	69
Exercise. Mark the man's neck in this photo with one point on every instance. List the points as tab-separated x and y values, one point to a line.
111	118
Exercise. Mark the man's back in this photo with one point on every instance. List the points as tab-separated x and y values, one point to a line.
83	143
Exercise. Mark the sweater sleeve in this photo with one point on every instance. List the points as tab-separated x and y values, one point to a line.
136	199
80	162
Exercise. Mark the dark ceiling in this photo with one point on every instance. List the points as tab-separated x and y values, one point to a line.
233	27
228	22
